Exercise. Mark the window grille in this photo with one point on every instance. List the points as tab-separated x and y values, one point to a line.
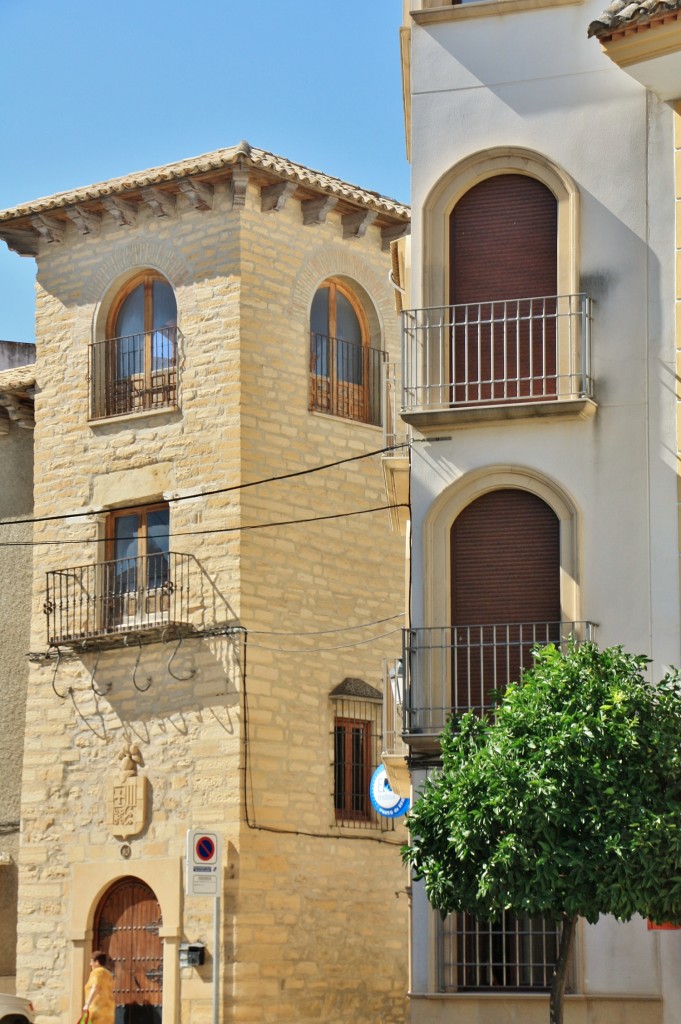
517	954
357	743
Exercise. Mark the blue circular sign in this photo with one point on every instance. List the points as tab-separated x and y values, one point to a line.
205	848
387	803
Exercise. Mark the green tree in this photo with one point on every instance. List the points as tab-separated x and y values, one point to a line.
566	804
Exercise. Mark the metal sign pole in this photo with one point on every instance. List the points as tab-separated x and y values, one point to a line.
216	960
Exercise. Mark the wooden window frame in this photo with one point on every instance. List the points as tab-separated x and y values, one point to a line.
142	602
142	535
344	798
341	393
147	278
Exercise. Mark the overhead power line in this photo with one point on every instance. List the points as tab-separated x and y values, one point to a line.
61	542
216	490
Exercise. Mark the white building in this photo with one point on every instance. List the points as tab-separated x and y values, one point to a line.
540	384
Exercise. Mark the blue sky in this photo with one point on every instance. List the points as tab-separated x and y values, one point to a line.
89	91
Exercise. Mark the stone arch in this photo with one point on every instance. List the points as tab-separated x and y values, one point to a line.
101	286
470	171
127	261
333	261
91	882
451	502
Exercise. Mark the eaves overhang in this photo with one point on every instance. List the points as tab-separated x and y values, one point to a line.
433	12
17	389
644	40
23	227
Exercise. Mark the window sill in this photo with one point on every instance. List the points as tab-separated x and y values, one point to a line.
128	417
433	11
429	420
317	413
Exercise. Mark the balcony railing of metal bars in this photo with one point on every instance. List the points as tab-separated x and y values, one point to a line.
119	597
137	373
501	352
346	379
453	669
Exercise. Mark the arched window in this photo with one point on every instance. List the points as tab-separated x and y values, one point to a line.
499	320
503	291
505	583
135	368
345	371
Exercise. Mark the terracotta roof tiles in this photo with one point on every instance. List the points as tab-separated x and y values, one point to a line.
241	155
17	379
623	14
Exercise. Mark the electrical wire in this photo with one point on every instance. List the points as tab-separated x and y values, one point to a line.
324	632
318	650
217	490
247	778
198	533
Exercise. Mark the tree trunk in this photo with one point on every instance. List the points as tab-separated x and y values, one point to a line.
560	970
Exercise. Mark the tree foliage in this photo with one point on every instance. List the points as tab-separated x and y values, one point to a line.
566	803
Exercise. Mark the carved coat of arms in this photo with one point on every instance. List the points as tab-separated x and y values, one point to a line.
126	796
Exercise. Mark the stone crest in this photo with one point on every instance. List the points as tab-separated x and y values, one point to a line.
126	796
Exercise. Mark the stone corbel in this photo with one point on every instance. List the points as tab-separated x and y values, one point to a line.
87	223
197	193
239	185
18	409
273	197
49	228
23	242
315	211
123	212
355	224
391	234
160	203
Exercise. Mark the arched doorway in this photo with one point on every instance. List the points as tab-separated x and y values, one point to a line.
503	262
127	928
505	591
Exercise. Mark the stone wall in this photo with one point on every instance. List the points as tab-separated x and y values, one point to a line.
312	925
16	502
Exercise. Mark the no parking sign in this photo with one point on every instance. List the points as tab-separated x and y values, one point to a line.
204	859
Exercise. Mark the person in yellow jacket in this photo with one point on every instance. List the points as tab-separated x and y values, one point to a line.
99	997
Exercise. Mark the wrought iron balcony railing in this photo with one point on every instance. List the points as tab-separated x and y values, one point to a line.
501	352
119	597
346	379
134	374
454	669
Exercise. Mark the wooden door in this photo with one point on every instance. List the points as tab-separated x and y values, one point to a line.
503	283
126	928
505	578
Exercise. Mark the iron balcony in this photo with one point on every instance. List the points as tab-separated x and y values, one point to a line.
505	353
146	595
450	670
137	373
346	379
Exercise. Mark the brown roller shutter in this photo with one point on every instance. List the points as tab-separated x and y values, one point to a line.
503	248
505	577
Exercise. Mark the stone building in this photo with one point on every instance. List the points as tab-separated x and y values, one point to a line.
16	504
215	585
541	370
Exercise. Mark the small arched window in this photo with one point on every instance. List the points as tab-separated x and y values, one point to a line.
345	371
135	368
